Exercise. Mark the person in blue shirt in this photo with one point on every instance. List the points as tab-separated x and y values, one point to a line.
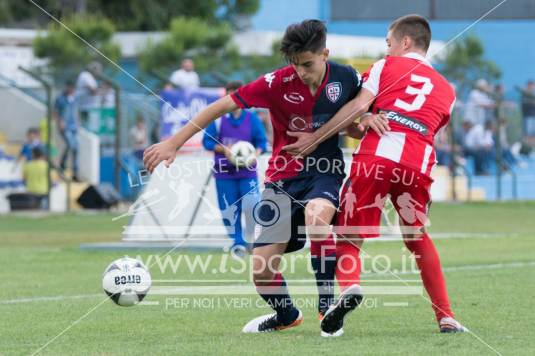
33	139
67	120
232	184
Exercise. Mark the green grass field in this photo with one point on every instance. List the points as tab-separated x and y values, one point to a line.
49	285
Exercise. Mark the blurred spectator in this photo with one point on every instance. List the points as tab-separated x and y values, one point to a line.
479	144
478	103
185	77
107	96
499	91
528	113
33	139
155	133
87	90
507	155
67	121
443	146
35	175
139	137
264	116
237	188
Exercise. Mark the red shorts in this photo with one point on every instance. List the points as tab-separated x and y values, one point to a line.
371	182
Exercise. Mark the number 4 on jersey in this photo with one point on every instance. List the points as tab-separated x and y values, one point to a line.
420	93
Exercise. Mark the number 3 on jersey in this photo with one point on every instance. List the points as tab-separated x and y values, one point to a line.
420	93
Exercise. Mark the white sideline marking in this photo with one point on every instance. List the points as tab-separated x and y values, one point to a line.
396	304
471	267
149	302
445	269
450	235
49	299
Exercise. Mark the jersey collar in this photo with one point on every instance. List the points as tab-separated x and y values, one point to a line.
418	57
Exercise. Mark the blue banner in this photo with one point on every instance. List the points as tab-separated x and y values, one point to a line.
180	106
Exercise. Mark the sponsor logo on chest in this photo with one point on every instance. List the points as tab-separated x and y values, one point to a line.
409	122
294	98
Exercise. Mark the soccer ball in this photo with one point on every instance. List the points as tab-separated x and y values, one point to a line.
243	154
126	281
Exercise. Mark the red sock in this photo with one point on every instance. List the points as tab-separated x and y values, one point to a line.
348	264
431	273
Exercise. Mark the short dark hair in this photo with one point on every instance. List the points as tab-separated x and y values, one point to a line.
37	152
414	26
233	85
309	35
33	131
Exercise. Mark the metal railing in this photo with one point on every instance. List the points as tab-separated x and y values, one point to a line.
117	88
48	89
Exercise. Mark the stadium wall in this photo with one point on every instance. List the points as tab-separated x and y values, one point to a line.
506	42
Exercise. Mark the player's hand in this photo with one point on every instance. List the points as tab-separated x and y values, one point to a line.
164	151
354	131
227	152
305	144
377	122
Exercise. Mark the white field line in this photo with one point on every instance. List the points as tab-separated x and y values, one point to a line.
445	269
395	304
49	299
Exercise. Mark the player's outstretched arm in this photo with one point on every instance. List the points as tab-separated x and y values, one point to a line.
307	142
165	151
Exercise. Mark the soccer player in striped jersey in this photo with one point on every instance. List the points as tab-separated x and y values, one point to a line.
410	101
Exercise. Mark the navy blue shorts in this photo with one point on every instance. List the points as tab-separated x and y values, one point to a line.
281	210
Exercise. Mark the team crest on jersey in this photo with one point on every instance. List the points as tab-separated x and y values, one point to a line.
333	91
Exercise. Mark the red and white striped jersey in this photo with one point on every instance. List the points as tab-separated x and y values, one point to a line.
418	102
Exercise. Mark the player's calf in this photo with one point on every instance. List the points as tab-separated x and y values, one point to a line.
318	215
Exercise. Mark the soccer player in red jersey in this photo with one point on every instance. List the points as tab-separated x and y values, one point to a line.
301	97
410	102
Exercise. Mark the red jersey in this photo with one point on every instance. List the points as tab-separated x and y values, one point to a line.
417	101
294	108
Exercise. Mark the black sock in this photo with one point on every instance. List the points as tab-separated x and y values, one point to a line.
276	295
324	268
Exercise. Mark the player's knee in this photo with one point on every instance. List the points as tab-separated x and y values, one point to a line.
318	231
319	237
414	235
263	277
318	216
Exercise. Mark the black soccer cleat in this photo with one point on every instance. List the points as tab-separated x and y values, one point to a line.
333	320
269	323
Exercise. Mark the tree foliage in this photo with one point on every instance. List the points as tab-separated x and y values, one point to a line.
209	45
131	15
257	64
464	63
157	15
65	51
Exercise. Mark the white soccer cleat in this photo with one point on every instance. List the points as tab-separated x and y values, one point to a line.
450	325
269	322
